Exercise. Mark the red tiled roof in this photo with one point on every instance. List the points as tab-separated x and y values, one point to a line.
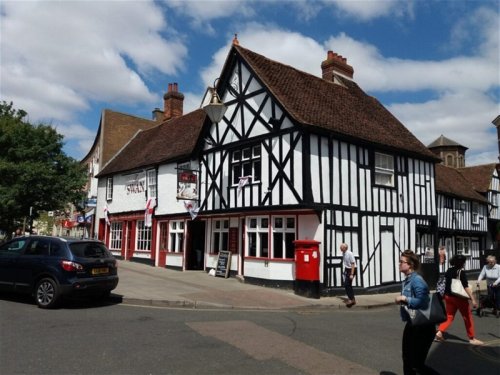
346	111
479	176
173	139
451	182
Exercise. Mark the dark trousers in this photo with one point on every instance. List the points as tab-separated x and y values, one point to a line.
348	284
494	295
416	344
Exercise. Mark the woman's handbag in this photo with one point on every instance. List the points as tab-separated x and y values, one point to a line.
435	313
457	289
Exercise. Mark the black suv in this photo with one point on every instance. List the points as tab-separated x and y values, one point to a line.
52	267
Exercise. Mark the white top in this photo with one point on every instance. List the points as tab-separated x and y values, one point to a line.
492	275
349	259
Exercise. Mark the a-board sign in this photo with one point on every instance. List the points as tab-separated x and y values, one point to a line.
223	264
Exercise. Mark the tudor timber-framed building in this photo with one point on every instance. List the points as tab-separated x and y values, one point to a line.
295	157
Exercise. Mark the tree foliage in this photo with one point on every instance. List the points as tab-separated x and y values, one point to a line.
34	170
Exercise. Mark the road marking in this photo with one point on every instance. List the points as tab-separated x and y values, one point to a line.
263	344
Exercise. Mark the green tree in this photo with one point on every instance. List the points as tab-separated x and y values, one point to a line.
34	171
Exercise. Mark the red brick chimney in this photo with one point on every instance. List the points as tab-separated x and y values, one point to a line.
173	102
335	63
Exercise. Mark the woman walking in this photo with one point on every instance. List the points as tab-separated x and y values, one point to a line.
417	340
454	303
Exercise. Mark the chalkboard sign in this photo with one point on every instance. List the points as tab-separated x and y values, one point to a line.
223	264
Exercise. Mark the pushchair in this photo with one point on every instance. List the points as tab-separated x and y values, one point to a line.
486	303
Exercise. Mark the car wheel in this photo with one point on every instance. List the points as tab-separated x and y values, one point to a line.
47	293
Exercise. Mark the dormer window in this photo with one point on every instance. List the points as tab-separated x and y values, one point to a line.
384	169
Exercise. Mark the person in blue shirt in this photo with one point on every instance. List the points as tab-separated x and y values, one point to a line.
415	294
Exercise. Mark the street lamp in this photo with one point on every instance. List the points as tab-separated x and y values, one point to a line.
215	109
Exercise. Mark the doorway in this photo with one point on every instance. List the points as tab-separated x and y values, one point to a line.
195	251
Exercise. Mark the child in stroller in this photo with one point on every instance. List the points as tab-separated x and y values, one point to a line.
490	272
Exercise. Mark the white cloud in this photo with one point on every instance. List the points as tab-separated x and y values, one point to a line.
76	136
74	53
465	117
370	9
203	12
61	58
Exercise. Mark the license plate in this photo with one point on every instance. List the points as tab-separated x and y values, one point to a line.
100	271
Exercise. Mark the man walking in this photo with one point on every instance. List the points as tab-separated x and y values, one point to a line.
349	273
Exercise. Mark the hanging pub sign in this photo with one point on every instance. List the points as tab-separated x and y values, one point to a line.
187	184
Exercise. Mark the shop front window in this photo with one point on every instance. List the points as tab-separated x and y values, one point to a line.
280	229
115	235
176	244
220	235
143	237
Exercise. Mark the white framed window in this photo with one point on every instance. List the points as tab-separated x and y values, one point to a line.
109	188
151	183
257	234
176	230
283	237
281	230
220	235
384	169
143	238
475	213
246	162
115	235
463	245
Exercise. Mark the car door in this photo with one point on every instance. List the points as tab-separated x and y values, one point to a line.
9	256
31	262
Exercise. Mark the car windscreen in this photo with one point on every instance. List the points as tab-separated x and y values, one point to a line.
89	250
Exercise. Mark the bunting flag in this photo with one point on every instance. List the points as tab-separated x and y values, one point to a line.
106	211
192	208
148	213
243	182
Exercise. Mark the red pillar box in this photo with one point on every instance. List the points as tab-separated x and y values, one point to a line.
307	262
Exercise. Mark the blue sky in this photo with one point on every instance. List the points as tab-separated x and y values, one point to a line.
434	64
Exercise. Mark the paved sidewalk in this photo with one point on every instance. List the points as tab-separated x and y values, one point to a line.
153	286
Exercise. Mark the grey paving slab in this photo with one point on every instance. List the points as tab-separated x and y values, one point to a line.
147	285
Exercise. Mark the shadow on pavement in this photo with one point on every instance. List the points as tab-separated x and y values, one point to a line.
456	354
